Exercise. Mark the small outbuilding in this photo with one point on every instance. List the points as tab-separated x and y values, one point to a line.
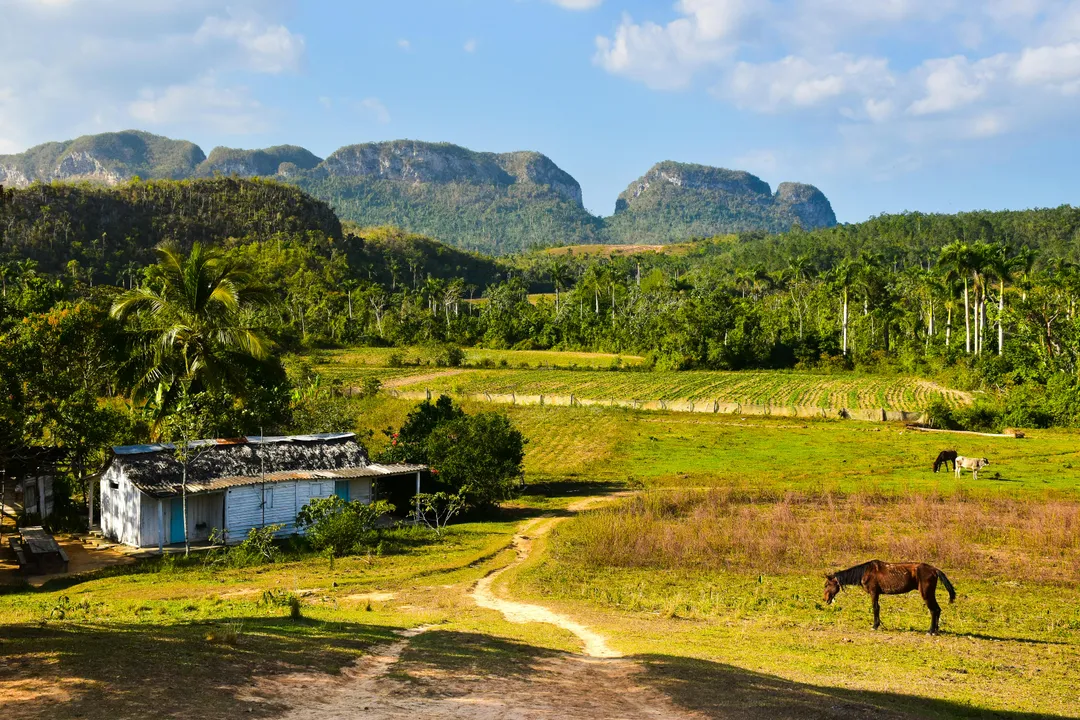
234	485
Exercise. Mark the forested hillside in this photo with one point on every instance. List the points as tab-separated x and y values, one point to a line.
110	232
498	203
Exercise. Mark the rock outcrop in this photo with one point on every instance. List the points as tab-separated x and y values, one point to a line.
678	200
108	158
418	163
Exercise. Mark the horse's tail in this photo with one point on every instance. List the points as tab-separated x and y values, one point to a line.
948	585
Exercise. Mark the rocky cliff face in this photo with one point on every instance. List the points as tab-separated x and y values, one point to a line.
686	176
253	163
679	198
807	203
441	163
108	158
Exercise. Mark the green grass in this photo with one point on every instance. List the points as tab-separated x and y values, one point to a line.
725	633
380	357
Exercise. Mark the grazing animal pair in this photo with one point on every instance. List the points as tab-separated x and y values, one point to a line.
944	458
972	464
882	578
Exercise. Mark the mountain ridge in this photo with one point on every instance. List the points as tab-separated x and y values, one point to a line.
496	202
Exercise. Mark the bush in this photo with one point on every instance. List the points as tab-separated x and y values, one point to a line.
480	455
340	527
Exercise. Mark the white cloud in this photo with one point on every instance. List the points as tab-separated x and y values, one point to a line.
267	48
374	109
578	4
470	46
1057	67
80	67
202	103
796	82
954	82
667	57
404	45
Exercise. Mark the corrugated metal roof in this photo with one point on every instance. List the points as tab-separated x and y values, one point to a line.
249	440
289	475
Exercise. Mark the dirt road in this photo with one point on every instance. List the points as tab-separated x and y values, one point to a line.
385	686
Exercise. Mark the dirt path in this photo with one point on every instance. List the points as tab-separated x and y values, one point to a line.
390	683
516	612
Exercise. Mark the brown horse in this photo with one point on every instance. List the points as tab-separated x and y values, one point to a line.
878	578
943	458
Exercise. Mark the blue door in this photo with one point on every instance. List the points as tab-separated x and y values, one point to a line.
341	489
176	521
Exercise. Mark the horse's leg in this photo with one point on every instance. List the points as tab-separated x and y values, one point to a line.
929	593
874	595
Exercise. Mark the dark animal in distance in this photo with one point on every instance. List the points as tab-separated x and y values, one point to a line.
972	464
881	578
944	458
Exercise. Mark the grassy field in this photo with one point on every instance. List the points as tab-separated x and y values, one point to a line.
587	375
763	388
707	575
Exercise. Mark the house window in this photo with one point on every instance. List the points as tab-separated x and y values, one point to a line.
270	497
114	485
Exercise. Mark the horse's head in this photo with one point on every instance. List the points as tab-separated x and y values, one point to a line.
832	587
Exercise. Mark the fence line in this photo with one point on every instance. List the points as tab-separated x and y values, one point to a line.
699	406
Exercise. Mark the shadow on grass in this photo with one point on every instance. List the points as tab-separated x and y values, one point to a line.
111	670
698	686
105	670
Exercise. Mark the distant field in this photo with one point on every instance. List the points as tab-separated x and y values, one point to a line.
340	362
762	388
585	250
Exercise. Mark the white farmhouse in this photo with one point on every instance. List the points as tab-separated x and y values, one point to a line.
233	485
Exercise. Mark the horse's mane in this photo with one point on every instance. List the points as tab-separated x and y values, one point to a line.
853	575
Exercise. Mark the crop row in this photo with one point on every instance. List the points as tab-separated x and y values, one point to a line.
754	387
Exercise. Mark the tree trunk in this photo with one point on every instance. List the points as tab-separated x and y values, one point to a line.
845	320
967	320
948	328
1001	317
556	298
183	491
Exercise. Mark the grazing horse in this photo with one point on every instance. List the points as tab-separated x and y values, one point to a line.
878	578
972	464
944	458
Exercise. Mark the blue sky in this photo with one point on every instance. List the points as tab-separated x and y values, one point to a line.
886	105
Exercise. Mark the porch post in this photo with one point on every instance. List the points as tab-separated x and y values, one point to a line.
418	493
161	526
41	496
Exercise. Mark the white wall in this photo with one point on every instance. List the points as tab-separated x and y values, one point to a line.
120	508
244	511
360	489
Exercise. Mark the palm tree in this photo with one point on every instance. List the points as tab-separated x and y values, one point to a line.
1001	266
193	321
955	259
193	335
560	277
843	276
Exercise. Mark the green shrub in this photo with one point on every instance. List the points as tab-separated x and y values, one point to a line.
340	527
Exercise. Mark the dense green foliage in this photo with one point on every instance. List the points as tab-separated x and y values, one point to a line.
487	218
477	457
106	234
339	526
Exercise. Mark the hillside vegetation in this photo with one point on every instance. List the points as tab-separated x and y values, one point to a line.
499	203
110	232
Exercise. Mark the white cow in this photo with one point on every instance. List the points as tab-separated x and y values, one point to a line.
972	464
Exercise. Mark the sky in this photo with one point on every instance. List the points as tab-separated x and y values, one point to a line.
885	105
